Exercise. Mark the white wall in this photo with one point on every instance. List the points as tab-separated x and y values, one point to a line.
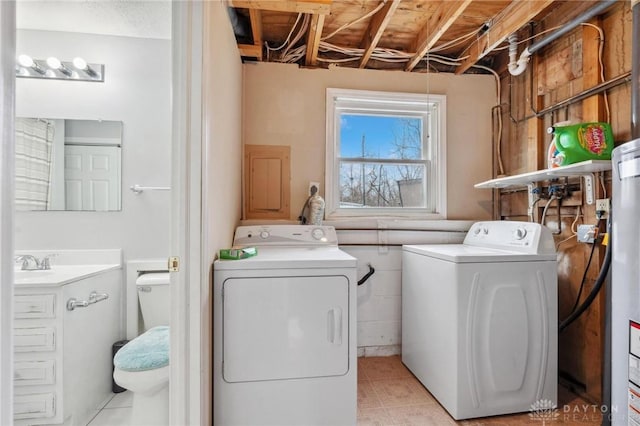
222	162
223	129
285	105
136	91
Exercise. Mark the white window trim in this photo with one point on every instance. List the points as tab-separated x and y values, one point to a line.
333	210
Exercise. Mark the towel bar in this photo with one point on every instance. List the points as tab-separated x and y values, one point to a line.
94	297
139	189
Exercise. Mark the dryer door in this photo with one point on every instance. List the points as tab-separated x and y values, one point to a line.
277	328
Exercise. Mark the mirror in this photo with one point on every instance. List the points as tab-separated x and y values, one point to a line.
64	164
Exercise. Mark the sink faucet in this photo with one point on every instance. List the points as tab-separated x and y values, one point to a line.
32	263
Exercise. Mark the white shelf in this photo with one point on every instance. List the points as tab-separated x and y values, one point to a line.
578	169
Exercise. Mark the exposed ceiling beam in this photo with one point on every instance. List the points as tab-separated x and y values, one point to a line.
436	26
255	16
510	20
250	50
321	7
377	26
313	39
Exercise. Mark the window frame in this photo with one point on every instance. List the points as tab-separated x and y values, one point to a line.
433	148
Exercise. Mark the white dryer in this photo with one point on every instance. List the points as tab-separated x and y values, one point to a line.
479	319
284	330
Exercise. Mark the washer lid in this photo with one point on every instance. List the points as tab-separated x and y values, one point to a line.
463	253
291	258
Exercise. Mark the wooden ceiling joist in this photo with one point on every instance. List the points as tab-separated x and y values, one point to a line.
319	7
435	27
255	15
510	20
377	25
250	50
313	39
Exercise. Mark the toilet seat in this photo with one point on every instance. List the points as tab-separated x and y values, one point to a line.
149	351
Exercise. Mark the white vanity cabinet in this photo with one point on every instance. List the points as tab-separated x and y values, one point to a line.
62	358
37	332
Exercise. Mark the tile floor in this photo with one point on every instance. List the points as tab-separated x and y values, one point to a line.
116	412
388	394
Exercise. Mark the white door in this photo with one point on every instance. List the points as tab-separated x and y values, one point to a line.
92	177
278	328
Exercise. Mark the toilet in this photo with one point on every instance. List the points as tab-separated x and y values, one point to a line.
142	365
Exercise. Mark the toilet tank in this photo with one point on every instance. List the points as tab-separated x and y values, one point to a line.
153	294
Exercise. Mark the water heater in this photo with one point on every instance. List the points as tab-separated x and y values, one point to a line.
625	286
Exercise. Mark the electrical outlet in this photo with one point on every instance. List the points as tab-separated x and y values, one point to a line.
312	184
587	233
602	205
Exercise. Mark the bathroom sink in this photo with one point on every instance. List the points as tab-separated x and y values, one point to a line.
58	274
35	273
28	277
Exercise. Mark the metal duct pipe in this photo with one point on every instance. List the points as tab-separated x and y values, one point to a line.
518	67
635	71
584	17
239	23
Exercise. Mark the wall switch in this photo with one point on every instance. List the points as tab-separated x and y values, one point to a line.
587	233
602	205
316	184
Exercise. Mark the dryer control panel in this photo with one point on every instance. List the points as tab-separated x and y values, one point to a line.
285	236
526	237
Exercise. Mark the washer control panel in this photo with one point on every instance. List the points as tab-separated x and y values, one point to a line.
285	235
526	237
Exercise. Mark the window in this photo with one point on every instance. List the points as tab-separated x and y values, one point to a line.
385	154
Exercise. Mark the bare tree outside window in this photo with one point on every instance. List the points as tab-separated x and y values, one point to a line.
377	176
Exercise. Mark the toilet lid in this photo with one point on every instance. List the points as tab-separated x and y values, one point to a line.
148	351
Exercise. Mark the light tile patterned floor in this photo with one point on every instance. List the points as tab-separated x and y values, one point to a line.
117	412
388	394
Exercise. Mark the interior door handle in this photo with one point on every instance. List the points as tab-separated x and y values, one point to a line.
334	326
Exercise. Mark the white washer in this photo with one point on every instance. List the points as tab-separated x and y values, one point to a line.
284	330
479	319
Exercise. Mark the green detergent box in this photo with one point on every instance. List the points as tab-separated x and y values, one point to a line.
580	142
240	253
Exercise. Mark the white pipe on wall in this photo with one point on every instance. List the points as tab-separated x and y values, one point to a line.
518	67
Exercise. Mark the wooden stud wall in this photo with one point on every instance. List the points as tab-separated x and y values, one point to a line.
559	71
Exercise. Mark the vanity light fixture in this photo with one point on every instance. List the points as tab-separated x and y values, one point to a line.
55	69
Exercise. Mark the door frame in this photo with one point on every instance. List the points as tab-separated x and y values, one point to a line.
186	406
7	159
189	359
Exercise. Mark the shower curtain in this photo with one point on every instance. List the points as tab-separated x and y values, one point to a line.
34	154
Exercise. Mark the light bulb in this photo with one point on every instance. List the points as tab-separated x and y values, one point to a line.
80	63
54	63
25	61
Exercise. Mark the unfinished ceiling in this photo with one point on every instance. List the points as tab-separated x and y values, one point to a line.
409	35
